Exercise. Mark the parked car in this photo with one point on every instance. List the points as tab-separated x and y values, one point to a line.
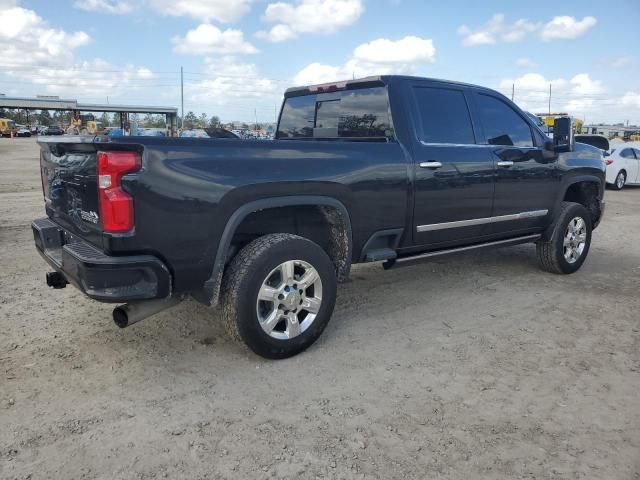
217	132
150	132
194	133
623	165
114	132
53	130
41	130
23	132
386	169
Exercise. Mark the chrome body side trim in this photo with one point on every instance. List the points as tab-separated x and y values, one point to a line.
481	221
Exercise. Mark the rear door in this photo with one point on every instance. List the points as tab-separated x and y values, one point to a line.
526	174
636	177
629	164
453	191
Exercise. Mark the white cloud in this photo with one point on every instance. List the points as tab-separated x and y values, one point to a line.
406	50
309	16
41	59
104	6
566	27
498	30
225	11
525	62
233	87
631	99
378	57
495	30
95	78
619	62
278	33
206	39
578	96
28	40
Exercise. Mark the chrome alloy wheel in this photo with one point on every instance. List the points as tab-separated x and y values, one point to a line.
575	239
289	299
620	179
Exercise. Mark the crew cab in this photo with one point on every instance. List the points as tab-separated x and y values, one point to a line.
390	169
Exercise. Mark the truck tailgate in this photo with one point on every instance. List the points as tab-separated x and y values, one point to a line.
69	182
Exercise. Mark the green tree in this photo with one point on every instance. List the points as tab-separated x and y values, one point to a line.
190	120
115	120
203	120
104	118
214	121
44	118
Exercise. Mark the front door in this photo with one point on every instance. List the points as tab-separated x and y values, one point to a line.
526	182
454	176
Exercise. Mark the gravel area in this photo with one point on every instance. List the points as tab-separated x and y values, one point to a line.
479	366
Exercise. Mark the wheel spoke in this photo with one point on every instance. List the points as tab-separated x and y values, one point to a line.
287	269
293	325
308	279
271	321
268	294
311	305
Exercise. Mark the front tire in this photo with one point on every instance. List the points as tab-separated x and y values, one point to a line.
278	295
620	180
567	249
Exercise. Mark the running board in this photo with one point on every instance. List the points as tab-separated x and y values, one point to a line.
403	261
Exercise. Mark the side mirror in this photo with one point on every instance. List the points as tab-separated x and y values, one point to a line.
563	139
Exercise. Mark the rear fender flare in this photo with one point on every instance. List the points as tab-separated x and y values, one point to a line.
211	290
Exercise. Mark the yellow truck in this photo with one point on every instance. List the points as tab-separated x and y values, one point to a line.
7	126
85	125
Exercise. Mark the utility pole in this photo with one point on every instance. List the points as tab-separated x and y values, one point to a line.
513	91
549	99
181	99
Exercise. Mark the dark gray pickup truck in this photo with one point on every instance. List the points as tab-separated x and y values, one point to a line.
383	169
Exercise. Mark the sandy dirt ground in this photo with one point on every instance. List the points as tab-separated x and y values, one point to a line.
474	367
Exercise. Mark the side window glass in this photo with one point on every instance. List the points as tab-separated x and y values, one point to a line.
502	125
637	152
444	116
627	153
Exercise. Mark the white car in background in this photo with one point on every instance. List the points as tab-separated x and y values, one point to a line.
623	165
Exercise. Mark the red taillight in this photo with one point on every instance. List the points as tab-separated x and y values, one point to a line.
608	161
116	205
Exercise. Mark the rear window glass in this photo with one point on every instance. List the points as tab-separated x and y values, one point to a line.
361	113
444	116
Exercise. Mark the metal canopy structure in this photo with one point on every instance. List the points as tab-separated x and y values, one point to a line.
52	103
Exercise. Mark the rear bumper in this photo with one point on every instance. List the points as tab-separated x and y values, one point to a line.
97	275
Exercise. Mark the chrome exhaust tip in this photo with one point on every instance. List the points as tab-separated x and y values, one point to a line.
130	313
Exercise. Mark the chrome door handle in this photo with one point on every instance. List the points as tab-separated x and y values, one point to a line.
430	164
505	163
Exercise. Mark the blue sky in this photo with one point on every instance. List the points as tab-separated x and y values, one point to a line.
239	55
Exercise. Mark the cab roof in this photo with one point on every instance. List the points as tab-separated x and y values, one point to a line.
375	80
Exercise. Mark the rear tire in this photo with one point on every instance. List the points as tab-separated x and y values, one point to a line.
620	180
278	295
567	249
